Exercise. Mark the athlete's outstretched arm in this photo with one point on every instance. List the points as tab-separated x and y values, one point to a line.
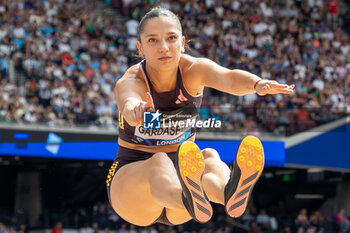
235	82
130	93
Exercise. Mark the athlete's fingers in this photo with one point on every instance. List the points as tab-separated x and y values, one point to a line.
273	87
149	102
281	91
263	90
275	84
139	113
128	116
279	86
282	87
266	88
287	91
132	117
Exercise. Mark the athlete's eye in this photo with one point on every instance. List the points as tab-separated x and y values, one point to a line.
151	40
172	37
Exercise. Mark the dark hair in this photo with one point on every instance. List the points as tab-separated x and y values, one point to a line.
153	13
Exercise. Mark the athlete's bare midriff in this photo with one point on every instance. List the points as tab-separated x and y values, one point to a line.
152	149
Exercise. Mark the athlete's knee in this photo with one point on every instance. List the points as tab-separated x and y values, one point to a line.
160	159
210	153
162	174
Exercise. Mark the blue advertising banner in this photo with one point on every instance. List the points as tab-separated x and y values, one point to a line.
56	146
328	149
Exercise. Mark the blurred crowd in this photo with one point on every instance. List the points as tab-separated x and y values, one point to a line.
11	229
71	58
275	220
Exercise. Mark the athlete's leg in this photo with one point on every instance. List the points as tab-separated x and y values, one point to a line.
215	176
164	174
164	184
140	190
177	216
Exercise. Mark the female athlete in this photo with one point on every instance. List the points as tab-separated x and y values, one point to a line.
159	174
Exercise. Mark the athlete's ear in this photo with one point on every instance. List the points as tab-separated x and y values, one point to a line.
183	42
139	48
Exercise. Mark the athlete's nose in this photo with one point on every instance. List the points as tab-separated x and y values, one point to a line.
163	47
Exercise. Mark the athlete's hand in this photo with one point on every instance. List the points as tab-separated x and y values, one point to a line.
265	87
133	110
149	103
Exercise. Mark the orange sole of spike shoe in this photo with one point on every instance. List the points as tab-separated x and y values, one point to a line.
250	161
190	169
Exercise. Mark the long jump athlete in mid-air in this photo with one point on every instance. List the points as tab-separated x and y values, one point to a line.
150	182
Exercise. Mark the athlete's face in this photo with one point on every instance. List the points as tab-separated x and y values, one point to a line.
161	43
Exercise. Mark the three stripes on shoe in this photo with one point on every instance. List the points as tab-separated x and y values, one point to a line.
191	168
243	192
198	197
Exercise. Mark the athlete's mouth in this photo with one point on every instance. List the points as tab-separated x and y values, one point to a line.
164	58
